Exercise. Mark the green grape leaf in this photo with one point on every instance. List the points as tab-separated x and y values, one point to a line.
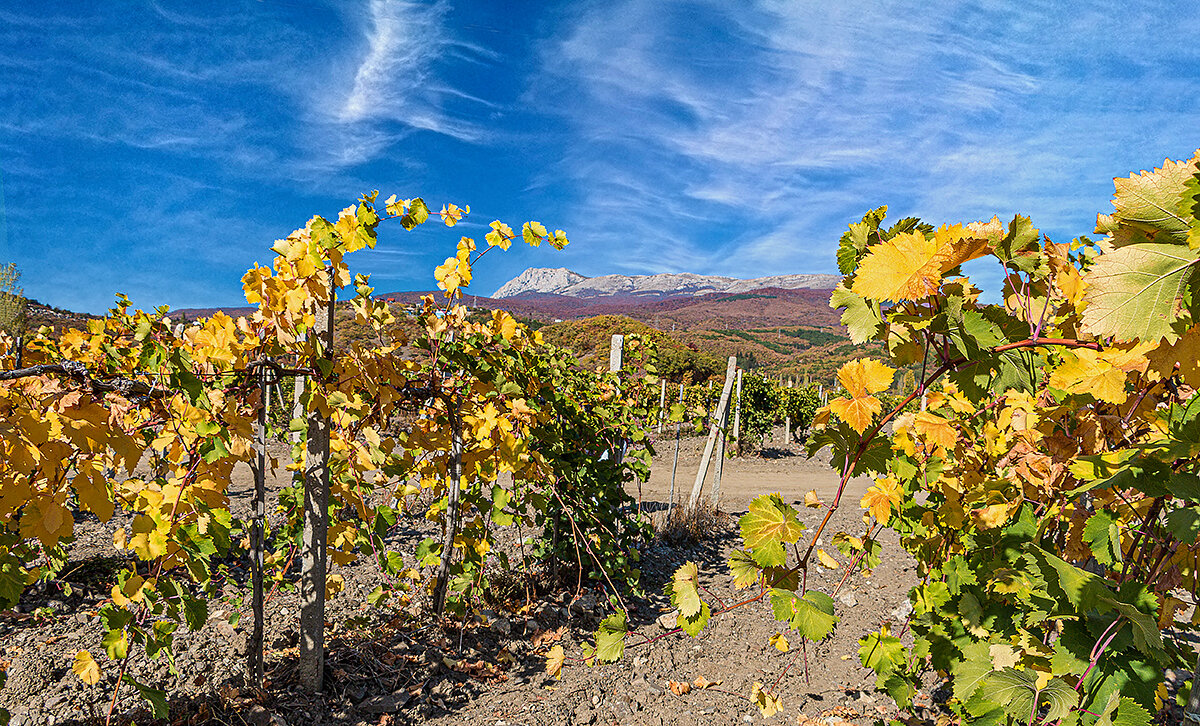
767	525
610	637
1122	711
1154	205
1014	690
882	653
685	593
1021	239
811	615
1058	698
115	644
1082	589
195	612
693	625
862	317
416	215
1139	291
971	670
901	689
929	597
1102	535
1184	523
744	569
156	698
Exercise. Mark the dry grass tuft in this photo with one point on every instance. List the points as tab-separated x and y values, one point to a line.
691	524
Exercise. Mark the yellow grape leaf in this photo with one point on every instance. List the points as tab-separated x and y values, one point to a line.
861	378
333	585
702	682
501	235
1102	374
86	668
555	660
120	539
684	587
910	266
504	324
452	214
991	516
768	704
812	500
92	489
1166	614
827	560
780	641
1184	353
935	429
679	687
881	497
1087	373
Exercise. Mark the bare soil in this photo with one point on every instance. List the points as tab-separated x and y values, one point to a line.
394	668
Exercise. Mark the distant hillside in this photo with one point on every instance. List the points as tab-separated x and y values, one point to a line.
561	281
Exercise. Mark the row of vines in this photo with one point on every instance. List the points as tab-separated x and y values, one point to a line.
1044	472
487	425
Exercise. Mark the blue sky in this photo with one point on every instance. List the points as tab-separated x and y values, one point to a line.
158	149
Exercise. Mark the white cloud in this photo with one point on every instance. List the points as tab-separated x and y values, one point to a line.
765	128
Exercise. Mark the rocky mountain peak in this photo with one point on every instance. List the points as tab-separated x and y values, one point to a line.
561	281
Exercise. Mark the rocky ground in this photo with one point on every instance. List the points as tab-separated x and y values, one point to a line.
393	668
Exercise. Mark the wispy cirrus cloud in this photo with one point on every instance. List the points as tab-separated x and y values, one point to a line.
764	129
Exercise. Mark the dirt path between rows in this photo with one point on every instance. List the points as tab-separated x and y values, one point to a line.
393	669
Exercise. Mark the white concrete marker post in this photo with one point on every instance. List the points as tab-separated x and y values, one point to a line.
316	519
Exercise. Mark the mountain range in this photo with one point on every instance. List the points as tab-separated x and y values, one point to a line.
561	281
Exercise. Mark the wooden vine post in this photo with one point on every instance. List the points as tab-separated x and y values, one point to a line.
316	514
675	463
787	424
257	529
662	404
714	428
737	415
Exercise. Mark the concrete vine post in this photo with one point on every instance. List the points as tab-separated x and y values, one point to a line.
316	516
453	510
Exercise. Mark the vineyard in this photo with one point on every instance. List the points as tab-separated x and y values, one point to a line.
448	506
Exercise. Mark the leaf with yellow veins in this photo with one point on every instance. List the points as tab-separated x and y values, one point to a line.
554	661
935	429
884	494
86	667
910	265
767	526
780	641
861	379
